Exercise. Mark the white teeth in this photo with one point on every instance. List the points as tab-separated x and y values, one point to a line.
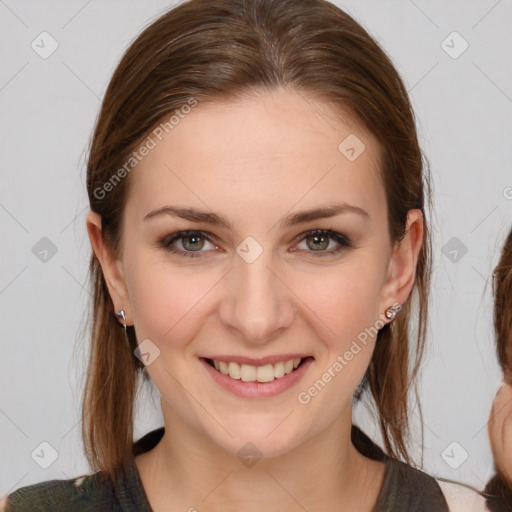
279	370
249	373
234	370
265	373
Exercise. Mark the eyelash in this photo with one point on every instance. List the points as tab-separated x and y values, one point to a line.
343	241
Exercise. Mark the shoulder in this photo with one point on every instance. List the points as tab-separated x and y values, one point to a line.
461	498
409	488
406	488
75	494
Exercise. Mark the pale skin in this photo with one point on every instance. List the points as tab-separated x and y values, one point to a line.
256	161
500	431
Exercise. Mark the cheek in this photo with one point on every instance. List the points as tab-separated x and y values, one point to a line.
342	308
166	300
346	297
348	306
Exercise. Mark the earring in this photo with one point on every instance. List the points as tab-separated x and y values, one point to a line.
120	314
392	311
138	365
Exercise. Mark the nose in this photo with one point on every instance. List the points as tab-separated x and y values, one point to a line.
257	305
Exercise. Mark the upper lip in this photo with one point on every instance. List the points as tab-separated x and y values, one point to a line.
259	361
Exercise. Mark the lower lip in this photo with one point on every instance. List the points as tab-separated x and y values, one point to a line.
257	389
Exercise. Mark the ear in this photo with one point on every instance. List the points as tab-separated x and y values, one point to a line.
402	264
112	268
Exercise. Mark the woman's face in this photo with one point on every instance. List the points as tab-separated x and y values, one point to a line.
247	289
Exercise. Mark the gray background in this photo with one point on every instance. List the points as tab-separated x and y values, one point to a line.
48	107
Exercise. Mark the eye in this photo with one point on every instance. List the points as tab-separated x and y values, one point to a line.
318	240
192	242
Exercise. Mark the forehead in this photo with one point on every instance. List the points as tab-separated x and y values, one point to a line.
266	151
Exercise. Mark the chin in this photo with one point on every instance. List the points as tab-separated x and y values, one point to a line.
272	437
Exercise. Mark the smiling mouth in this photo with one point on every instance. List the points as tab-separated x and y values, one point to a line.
250	373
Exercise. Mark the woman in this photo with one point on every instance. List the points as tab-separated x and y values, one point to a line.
499	489
258	224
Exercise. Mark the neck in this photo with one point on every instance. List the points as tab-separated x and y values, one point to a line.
187	471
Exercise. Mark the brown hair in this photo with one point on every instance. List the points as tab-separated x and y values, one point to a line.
499	488
502	291
211	50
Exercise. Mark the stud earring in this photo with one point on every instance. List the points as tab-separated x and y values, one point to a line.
120	314
392	311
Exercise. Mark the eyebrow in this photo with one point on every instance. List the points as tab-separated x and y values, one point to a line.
195	215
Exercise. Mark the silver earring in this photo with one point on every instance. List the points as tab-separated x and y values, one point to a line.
120	314
392	311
